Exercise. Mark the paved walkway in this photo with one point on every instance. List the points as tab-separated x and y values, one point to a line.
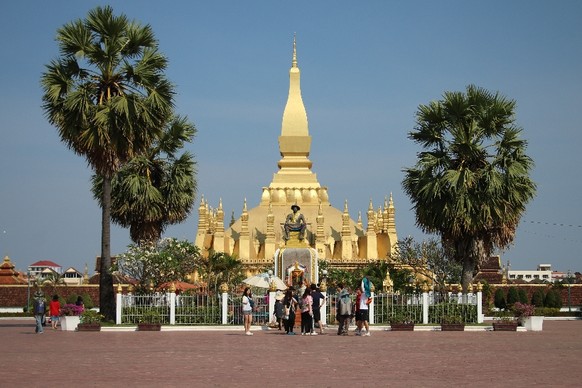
269	359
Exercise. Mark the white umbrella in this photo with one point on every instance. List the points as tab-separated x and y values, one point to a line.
264	280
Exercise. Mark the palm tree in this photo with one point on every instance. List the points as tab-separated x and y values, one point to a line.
471	182
108	98
156	189
220	268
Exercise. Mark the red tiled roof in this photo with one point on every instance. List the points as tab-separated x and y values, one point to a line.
44	263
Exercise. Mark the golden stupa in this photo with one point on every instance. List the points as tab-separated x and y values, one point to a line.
257	236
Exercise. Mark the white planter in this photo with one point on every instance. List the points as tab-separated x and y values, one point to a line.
69	323
533	323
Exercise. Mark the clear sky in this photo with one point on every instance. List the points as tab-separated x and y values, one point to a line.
365	68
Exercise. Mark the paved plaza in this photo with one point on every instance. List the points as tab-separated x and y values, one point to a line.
228	358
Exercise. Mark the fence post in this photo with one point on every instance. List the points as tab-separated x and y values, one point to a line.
118	307
425	306
480	317
224	311
271	305
173	307
371	319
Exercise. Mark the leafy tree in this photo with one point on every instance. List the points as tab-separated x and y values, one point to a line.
429	259
220	268
499	299
537	299
512	296
108	98
471	182
553	299
522	296
153	264
155	189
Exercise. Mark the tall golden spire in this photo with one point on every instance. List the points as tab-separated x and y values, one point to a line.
294	175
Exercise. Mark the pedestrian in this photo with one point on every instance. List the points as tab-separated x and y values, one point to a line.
279	309
290	304
247	310
362	314
55	309
343	310
39	309
357	308
318	302
80	302
363	306
307	313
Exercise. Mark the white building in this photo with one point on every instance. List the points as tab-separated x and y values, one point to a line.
543	273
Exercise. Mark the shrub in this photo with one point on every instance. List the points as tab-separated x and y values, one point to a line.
537	299
91	316
71	309
87	301
499	299
71	299
553	299
512	296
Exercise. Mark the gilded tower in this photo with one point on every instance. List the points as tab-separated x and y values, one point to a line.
258	233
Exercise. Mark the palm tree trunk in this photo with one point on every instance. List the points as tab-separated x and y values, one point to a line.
106	293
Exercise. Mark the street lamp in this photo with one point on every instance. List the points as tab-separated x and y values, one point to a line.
569	296
28	289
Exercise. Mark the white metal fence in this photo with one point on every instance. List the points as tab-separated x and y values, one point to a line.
226	309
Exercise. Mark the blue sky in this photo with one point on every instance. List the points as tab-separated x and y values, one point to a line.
365	68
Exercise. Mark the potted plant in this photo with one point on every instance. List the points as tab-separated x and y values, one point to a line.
401	321
504	321
90	321
525	316
70	316
452	322
150	320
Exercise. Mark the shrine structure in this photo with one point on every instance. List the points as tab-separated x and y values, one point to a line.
257	237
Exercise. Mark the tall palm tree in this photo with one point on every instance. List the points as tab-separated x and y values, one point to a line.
108	97
471	182
156	189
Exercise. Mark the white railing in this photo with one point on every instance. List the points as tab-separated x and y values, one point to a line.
226	309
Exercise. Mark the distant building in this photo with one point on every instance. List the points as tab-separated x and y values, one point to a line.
72	277
542	273
43	268
8	275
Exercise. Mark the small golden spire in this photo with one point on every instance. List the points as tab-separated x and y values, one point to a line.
294	61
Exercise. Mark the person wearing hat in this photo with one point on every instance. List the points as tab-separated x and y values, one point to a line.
295	222
279	308
39	309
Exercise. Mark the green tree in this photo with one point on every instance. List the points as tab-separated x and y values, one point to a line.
499	299
512	296
153	264
537	299
220	268
430	259
108	98
155	189
471	182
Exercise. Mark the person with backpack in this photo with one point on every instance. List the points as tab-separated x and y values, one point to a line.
343	310
290	304
39	309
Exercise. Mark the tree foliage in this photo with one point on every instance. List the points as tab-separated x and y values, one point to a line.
153	264
220	268
499	299
471	182
108	97
429	259
156	189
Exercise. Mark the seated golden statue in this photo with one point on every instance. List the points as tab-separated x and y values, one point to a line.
295	222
